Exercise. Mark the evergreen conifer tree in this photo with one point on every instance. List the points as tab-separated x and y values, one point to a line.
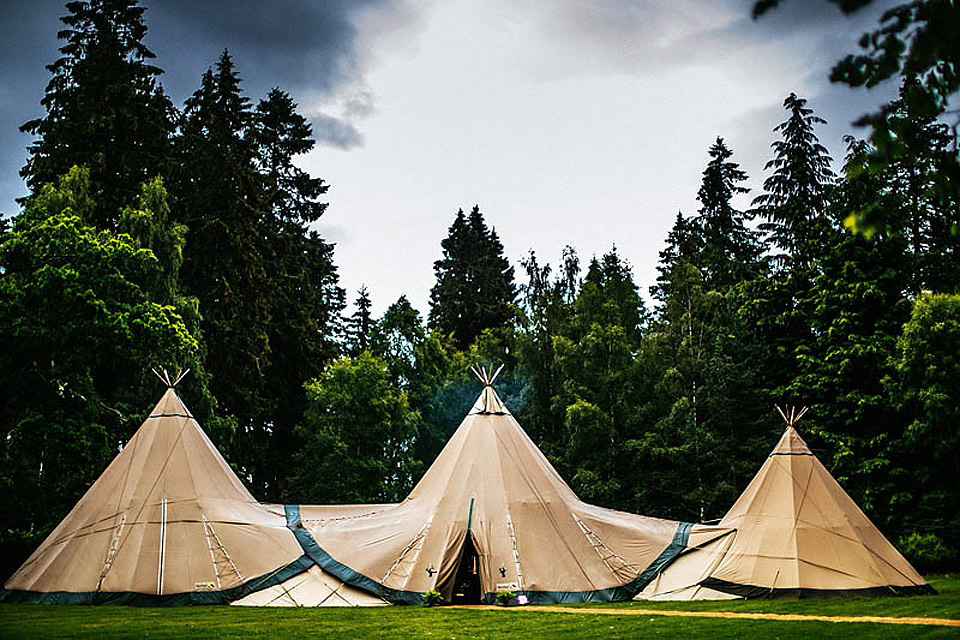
797	193
266	284
475	289
105	108
360	324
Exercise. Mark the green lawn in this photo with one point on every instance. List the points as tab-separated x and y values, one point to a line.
47	621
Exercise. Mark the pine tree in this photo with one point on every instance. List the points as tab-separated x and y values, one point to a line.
475	289
224	258
105	108
910	196
729	250
267	285
797	193
281	134
359	326
597	387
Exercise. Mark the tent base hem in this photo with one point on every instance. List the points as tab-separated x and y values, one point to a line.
753	592
132	598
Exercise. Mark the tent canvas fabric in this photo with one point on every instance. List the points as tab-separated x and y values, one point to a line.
794	532
491	490
168	522
312	588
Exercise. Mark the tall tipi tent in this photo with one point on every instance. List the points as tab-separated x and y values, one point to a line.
168	522
795	533
490	514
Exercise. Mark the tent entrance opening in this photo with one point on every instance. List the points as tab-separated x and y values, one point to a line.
466	587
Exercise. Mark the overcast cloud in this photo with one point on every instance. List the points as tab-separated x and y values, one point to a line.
583	122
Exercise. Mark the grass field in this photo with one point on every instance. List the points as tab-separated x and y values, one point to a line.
48	621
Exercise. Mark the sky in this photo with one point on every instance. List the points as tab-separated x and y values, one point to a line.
582	122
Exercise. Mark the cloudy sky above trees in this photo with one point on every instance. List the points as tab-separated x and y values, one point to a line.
583	122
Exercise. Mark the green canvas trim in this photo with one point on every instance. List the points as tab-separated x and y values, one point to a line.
316	555
613	594
339	570
751	592
470	516
131	598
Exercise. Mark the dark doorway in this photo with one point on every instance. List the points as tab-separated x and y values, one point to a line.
466	586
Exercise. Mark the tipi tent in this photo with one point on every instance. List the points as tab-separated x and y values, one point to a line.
490	514
794	532
168	522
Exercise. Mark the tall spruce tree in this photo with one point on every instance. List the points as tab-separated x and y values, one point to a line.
475	288
224	258
598	391
798	222
729	250
910	195
266	284
700	358
796	195
105	108
359	326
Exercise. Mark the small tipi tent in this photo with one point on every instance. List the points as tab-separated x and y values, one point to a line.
794	532
168	522
490	514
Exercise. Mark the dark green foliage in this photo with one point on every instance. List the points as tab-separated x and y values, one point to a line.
796	194
475	288
927	552
916	41
105	108
701	360
357	437
595	395
359	326
266	284
908	194
80	335
924	387
280	135
728	251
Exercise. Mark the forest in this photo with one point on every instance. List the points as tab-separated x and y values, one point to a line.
158	236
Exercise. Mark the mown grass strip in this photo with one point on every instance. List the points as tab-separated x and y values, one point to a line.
781	617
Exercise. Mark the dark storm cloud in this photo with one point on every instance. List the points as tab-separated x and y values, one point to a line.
336	132
311	49
28	41
285	43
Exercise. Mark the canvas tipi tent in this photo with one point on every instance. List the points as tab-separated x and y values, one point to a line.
490	514
794	532
168	522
